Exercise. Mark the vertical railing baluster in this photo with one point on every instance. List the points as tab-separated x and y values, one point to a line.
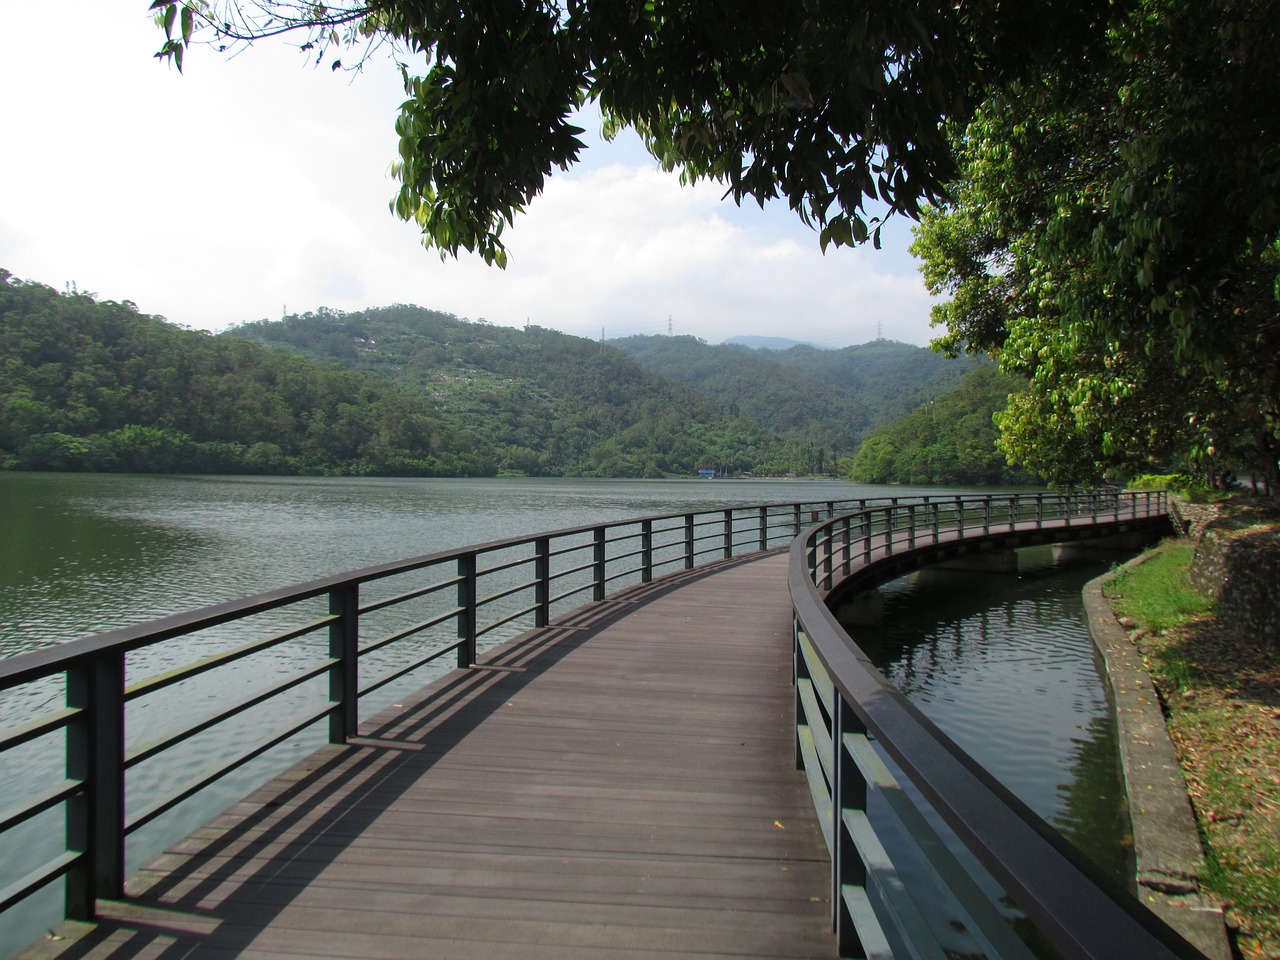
542	581
796	524
960	516
688	541
728	534
935	508
646	551
986	516
888	529
911	523
764	529
344	651
598	573
467	613
95	756
846	547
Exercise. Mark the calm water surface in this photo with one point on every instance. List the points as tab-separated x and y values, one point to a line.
85	553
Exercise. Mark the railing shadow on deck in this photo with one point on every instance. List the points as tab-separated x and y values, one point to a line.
916	861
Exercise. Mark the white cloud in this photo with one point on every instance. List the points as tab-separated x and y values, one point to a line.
254	184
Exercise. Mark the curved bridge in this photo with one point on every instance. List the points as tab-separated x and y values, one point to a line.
612	777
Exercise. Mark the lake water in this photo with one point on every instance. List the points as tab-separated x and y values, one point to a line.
86	553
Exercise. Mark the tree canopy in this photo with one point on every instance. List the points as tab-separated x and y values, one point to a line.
1099	179
1114	236
837	107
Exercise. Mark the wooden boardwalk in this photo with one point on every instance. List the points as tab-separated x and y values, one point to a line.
620	784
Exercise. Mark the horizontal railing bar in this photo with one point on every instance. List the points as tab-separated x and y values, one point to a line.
503	594
819	789
505	566
141	754
195	786
37	728
404	670
488	628
417	594
410	631
20	813
21	889
984	920
817	721
560	574
35	664
571	593
177	675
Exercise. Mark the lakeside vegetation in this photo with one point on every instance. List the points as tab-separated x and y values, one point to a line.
407	391
1220	689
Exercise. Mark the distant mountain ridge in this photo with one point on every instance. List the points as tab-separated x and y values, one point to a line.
767	343
829	399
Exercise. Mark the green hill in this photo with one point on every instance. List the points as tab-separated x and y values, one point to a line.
542	402
823	398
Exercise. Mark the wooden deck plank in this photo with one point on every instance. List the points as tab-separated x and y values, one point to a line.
619	784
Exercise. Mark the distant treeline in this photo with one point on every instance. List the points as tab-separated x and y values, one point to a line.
403	390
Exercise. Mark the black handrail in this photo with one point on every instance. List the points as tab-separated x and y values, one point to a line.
849	716
452	600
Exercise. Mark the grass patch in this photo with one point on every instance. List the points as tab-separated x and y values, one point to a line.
1157	594
1221	690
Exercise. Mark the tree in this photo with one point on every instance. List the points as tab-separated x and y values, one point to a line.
835	106
1114	236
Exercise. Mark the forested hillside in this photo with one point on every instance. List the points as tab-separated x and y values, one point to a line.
828	399
98	386
949	440
543	402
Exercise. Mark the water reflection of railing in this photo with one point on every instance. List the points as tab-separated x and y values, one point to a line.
890	865
161	716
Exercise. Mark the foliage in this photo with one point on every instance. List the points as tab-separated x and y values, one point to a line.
1114	236
98	386
835	107
542	402
948	440
824	399
1182	483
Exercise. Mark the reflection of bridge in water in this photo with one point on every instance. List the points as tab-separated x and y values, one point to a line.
616	779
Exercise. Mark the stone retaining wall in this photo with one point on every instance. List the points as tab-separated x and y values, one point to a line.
1240	569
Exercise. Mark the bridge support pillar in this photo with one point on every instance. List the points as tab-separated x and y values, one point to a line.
862	610
989	561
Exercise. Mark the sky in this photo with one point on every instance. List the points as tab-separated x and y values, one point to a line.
258	185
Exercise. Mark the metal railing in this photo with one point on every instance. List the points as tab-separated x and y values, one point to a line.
132	707
900	886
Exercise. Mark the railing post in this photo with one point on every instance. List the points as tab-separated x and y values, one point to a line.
466	609
888	529
344	651
960	516
598	568
1013	513
849	792
646	551
688	541
796	524
728	534
95	756
935	509
846	548
542	581
986	515
1039	511
764	529
828	563
911	521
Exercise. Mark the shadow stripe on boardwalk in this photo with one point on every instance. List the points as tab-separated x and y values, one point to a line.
618	784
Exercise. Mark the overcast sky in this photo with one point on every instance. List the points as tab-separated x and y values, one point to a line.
254	185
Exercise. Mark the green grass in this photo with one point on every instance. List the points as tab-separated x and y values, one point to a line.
1157	594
